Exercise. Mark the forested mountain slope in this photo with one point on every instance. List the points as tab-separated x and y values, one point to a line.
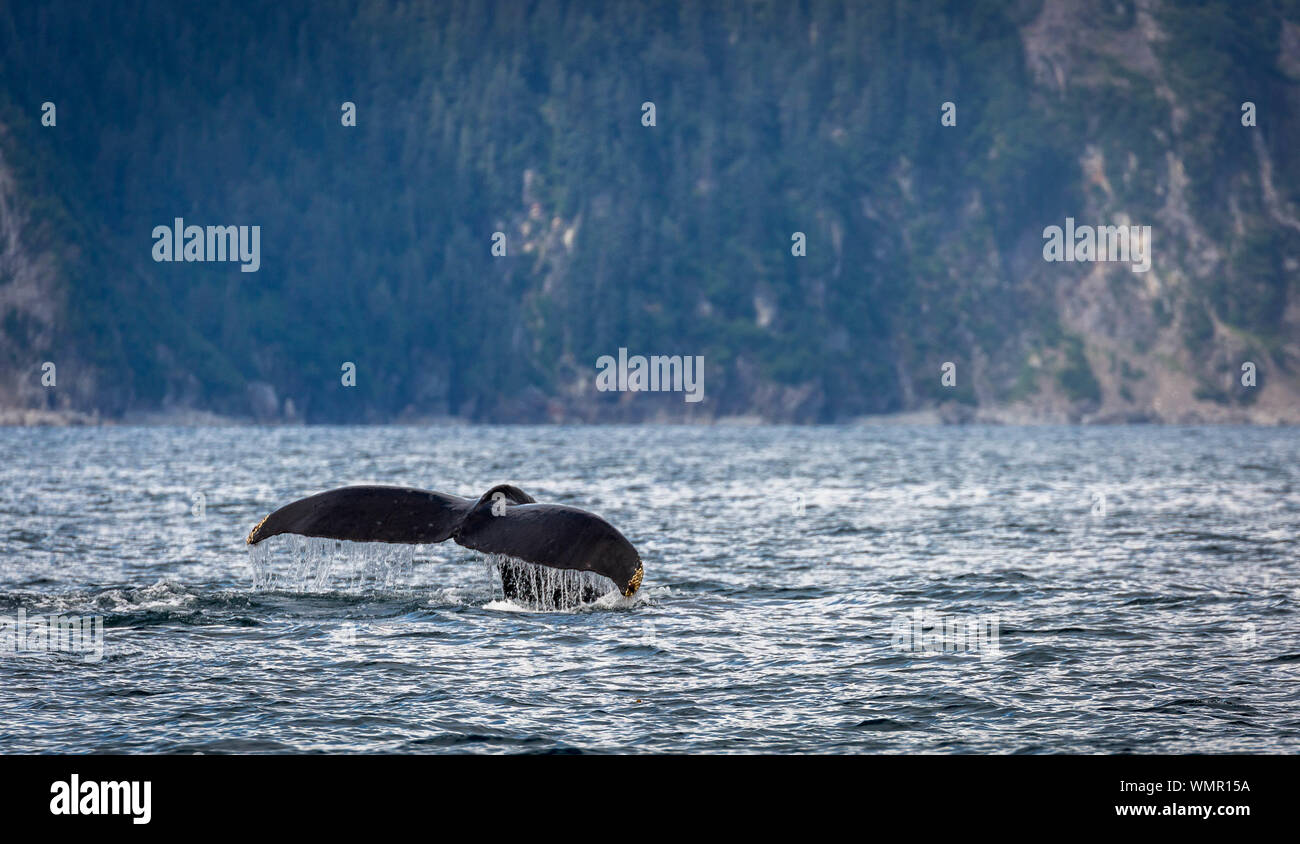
924	241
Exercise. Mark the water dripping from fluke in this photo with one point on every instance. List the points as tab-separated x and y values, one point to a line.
315	564
545	589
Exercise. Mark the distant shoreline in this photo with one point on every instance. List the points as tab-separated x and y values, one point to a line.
932	417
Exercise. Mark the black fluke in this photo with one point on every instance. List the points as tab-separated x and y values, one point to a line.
504	520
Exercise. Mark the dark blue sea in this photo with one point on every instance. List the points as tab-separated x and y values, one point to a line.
855	589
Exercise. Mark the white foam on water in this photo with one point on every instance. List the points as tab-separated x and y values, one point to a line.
501	605
162	595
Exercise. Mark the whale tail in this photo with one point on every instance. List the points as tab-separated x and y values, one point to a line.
504	521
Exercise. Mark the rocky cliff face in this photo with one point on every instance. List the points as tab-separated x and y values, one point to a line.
1170	344
924	236
31	300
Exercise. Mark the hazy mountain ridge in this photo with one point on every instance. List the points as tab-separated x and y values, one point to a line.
925	242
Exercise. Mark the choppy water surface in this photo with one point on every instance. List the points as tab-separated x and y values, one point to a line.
1142	581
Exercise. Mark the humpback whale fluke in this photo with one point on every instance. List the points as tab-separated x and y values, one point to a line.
505	520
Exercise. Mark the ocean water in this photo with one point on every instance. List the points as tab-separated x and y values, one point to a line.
823	590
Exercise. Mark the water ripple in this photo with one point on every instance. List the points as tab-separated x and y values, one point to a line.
830	589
